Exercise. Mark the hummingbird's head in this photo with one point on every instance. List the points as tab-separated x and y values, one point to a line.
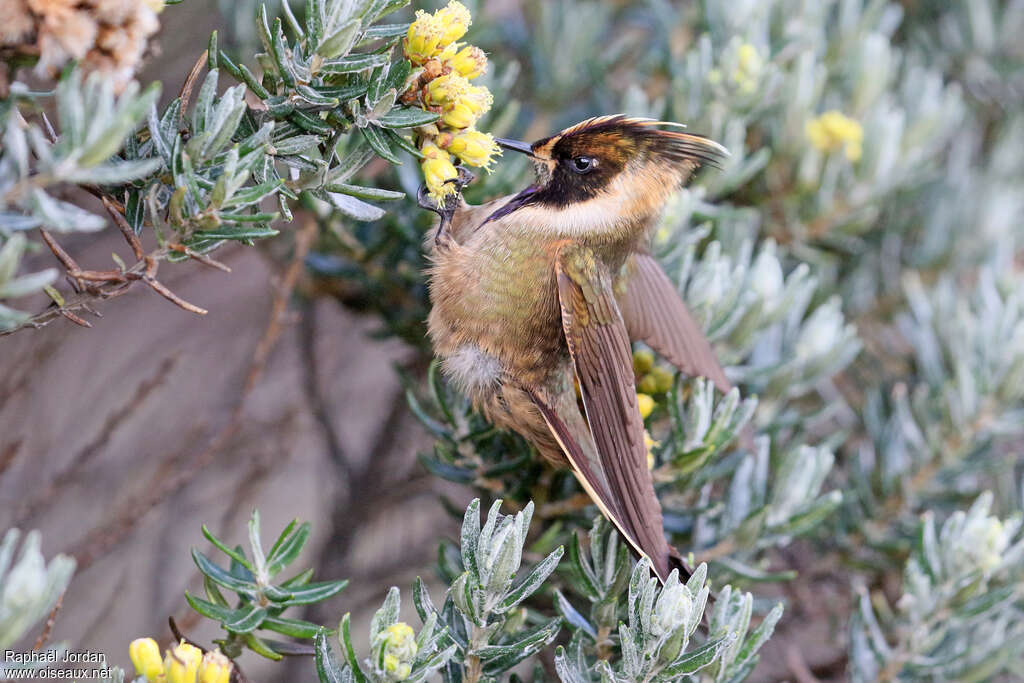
610	169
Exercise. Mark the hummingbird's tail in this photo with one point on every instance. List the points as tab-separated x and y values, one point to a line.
646	535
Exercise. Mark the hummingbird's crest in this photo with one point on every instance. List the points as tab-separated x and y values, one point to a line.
610	166
617	133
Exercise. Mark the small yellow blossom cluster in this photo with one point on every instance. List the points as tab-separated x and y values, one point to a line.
833	130
444	87
108	36
184	663
651	378
398	651
744	65
650	444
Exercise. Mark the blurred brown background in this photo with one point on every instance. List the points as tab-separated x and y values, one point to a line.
119	452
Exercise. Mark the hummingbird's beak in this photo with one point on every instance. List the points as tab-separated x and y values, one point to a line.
516	146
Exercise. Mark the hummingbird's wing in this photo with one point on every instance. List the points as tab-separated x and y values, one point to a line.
601	354
656	315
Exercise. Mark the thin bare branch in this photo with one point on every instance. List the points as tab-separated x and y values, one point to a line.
123	226
48	627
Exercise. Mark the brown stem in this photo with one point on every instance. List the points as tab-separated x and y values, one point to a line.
48	627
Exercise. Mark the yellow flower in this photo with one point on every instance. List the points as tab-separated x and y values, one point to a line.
748	68
650	444
424	39
648	384
399	651
474	148
155	5
396	670
145	655
833	130
182	663
646	405
470	106
215	668
469	62
437	169
447	89
455	20
401	640
643	361
663	379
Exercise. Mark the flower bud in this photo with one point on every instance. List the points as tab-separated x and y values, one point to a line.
447	89
424	37
646	405
474	148
182	663
454	20
643	361
650	444
833	130
821	333
766	279
401	641
215	668
396	670
673	609
470	106
145	655
648	384
987	541
394	651
469	62
663	380
437	169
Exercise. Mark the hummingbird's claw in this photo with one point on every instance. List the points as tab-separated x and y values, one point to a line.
425	201
446	207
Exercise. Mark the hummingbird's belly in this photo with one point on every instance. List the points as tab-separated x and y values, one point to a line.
495	317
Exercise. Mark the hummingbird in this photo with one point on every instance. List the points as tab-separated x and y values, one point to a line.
536	293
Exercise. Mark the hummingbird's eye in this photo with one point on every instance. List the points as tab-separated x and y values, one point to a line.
583	164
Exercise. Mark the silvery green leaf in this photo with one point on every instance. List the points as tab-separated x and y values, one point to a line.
350	164
365	192
224	120
461	594
106	137
27	284
16	144
202	113
340	41
327	666
10	255
500	658
387	614
572	617
355	208
758	638
631	656
345	638
63	216
296	144
532	582
10	222
469	538
695	660
112	173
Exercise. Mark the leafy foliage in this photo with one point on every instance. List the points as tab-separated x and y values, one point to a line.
29	588
258	601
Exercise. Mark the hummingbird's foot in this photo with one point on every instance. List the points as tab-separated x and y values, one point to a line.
447	206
